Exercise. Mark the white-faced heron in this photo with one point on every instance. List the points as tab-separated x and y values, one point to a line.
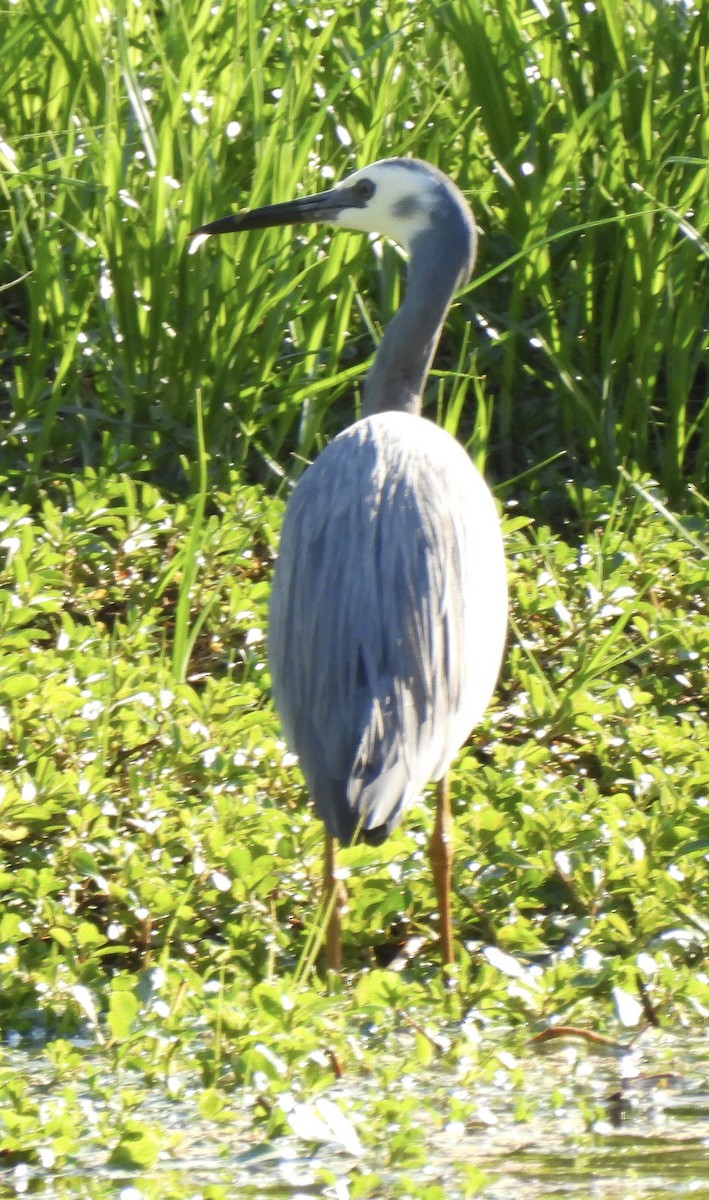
389	603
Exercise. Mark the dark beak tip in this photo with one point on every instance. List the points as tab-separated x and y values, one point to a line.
230	224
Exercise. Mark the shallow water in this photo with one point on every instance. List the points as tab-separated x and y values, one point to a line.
650	1136
573	1124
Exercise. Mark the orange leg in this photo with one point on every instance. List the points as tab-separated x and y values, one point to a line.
441	854
335	899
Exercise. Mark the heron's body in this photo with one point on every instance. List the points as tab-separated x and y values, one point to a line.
388	616
389	603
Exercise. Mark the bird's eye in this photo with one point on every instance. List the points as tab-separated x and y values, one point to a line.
365	189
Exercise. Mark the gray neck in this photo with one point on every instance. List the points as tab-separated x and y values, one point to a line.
398	374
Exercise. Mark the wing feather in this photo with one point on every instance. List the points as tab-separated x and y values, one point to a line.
387	618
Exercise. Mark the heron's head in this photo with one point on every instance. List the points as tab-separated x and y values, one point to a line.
403	199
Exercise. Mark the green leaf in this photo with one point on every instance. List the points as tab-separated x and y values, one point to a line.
139	1147
123	1009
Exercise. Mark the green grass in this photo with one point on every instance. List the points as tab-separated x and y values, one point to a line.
159	863
581	138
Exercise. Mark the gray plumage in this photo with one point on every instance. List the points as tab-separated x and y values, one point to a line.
385	625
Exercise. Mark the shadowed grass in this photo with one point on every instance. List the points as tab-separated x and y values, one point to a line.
594	115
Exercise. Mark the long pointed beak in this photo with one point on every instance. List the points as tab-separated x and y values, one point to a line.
325	206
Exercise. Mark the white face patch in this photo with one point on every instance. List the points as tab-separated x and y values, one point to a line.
402	206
